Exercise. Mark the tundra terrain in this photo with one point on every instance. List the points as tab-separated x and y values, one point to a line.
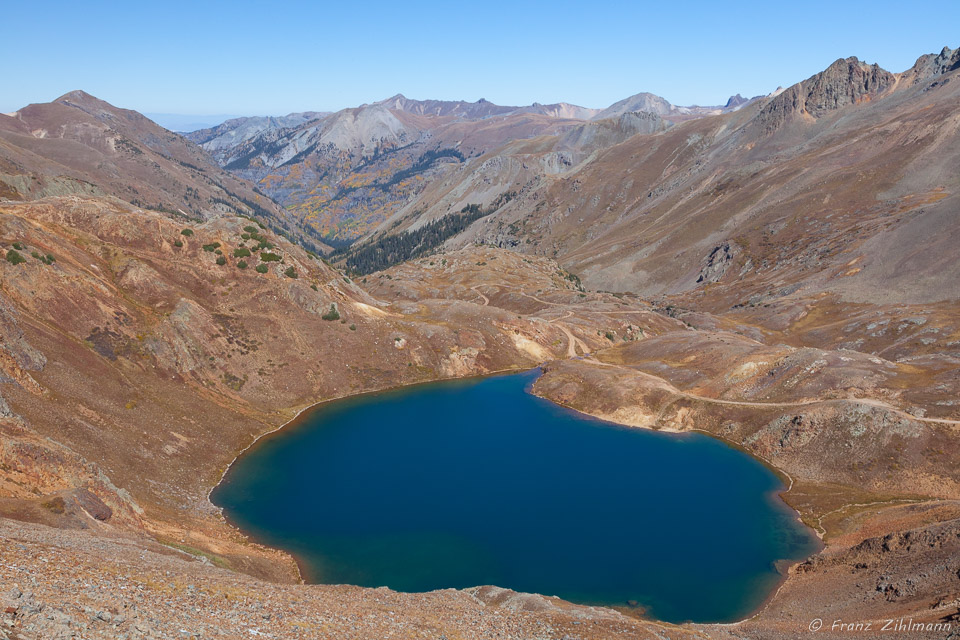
779	273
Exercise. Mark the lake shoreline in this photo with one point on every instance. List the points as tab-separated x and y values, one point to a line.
298	413
775	497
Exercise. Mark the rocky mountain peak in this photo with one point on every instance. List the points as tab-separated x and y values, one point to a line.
932	65
735	101
77	96
845	82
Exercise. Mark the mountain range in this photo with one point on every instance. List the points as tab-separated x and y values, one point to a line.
342	174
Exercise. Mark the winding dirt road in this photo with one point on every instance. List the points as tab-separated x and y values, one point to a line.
664	384
573	343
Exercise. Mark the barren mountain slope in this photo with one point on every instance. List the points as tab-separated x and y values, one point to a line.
81	145
853	164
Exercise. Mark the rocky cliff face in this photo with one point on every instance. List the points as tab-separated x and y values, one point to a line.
845	82
933	65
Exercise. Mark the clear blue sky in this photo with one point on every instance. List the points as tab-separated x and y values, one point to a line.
252	58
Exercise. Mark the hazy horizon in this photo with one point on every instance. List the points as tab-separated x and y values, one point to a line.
241	59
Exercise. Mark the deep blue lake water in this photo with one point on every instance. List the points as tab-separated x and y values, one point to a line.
466	483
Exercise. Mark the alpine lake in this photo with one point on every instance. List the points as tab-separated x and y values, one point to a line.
476	482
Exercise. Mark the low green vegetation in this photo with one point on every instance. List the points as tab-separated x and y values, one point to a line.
290	272
262	268
213	246
45	259
269	257
241	252
187	232
333	314
242	264
13	257
570	277
221	261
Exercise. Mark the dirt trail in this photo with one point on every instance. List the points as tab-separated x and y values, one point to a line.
567	304
476	290
573	342
667	386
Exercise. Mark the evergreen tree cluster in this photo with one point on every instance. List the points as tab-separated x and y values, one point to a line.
387	251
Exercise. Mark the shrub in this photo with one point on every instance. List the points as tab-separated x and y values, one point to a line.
262	268
250	229
15	258
353	327
221	261
35	255
213	246
314	287
55	504
269	257
177	244
290	272
241	252
187	232
245	236
19	245
333	314
242	264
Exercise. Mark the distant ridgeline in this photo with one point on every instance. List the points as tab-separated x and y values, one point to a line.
385	251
